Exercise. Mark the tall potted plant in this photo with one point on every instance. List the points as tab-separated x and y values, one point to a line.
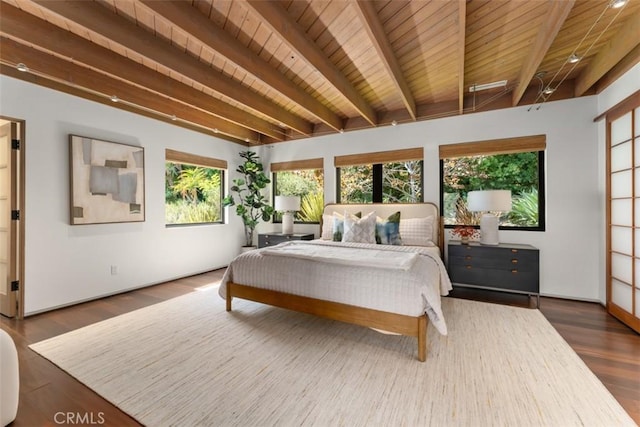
251	205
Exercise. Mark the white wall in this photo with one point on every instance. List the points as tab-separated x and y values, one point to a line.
66	264
611	96
569	248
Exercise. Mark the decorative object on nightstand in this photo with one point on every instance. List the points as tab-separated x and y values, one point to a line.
465	233
504	267
490	202
288	205
271	239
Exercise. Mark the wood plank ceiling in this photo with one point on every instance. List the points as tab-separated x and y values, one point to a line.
256	71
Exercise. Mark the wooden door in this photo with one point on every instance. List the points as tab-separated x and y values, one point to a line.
8	226
623	215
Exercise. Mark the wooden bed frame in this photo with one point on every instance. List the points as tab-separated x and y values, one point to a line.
391	322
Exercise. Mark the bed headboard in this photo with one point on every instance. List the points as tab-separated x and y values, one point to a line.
408	210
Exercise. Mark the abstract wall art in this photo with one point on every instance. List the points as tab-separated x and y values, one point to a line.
107	181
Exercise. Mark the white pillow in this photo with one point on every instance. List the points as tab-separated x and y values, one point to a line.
417	231
359	230
327	227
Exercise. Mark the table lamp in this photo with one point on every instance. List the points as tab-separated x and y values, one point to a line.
490	202
288	205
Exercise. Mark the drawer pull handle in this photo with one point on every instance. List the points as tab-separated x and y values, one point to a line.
514	251
514	261
514	271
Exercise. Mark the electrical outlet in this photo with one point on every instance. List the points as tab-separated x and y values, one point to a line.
114	270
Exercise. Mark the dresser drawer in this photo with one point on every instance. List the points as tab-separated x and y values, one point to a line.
490	251
516	280
523	260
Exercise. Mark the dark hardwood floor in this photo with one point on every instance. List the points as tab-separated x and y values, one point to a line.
48	394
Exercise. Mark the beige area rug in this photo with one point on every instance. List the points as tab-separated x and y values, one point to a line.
187	362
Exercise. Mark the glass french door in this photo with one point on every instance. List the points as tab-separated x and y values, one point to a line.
623	216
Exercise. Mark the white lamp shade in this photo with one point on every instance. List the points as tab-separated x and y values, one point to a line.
489	201
287	203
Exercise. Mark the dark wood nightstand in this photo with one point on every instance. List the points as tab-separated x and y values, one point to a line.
270	239
504	267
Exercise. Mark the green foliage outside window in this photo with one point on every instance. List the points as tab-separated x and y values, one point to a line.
192	194
517	172
309	186
401	183
356	184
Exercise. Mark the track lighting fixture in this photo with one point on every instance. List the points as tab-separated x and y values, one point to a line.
485	86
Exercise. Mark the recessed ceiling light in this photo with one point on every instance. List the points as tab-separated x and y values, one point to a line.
617	4
22	67
574	58
476	88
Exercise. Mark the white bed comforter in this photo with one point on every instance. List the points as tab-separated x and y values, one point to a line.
409	291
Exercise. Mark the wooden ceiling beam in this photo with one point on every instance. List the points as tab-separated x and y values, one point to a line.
625	40
378	37
627	63
281	23
101	20
193	22
11	71
557	13
25	27
462	33
76	76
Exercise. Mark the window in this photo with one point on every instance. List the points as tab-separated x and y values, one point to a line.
303	178
382	177
193	189
515	164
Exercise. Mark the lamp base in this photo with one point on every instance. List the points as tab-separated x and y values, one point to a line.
287	222
489	230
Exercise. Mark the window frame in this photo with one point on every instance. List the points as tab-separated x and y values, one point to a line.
377	160
292	166
179	157
527	144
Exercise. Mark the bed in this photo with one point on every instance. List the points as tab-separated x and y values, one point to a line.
390	288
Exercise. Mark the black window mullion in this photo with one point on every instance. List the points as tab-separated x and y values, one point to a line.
377	183
338	187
